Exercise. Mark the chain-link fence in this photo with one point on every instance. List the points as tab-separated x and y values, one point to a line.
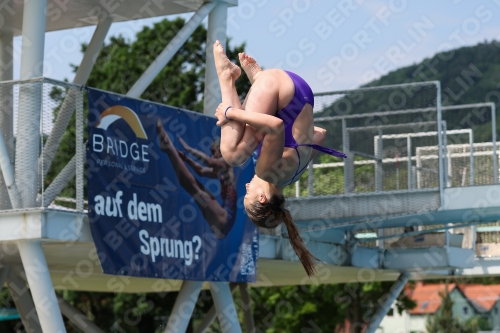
42	127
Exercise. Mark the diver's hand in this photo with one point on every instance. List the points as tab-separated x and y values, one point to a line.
163	136
220	113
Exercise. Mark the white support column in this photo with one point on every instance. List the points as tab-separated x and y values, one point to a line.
348	162
211	314
419	170
6	106
8	175
28	122
169	51
77	318
24	303
217	25
414	177
183	307
226	312
42	290
68	106
472	169
494	139
310	178
440	143
391	296
446	155
379	169
408	148
80	153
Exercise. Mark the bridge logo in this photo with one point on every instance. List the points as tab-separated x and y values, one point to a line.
117	112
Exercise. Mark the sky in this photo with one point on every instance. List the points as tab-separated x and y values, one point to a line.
333	45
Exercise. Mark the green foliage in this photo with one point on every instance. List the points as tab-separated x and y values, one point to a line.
121	62
7	302
444	321
311	308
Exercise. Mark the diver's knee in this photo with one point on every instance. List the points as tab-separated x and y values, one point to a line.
232	158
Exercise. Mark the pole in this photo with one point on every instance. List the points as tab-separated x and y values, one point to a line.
77	318
386	305
440	142
494	139
211	314
247	308
28	122
408	147
183	307
24	303
42	290
217	23
169	51
471	143
226	312
6	106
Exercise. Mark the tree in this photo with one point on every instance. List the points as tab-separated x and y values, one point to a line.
320	308
121	62
444	321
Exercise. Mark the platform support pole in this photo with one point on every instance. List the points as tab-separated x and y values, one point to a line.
494	139
24	303
28	122
211	314
6	106
226	312
169	51
379	167
348	162
217	25
183	307
42	290
396	289
247	308
77	318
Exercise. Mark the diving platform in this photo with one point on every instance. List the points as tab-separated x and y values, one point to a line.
417	197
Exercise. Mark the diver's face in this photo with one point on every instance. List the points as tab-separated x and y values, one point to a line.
254	192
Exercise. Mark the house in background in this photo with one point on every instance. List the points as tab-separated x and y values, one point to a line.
469	301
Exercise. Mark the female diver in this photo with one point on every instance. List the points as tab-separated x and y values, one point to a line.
275	123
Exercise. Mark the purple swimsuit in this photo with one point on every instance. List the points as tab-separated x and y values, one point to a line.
303	94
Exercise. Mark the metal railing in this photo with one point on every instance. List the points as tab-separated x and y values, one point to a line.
416	168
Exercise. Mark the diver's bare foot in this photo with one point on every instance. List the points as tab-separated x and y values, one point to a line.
250	66
165	143
225	68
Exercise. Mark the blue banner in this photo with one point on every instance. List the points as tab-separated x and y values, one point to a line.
162	201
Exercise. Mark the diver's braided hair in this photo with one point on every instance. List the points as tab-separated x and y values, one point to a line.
270	214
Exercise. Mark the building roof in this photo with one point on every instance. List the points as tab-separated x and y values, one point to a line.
427	297
483	297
